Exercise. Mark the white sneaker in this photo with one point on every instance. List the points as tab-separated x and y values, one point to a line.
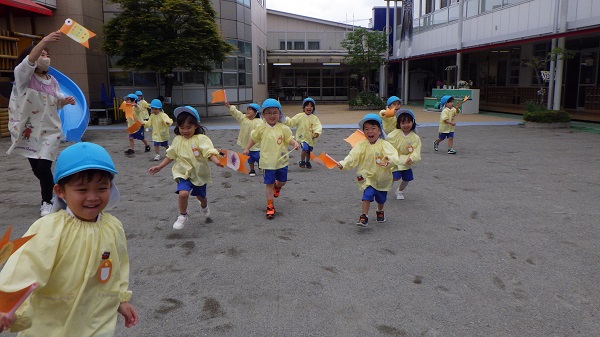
205	211
45	209
399	195
157	157
181	219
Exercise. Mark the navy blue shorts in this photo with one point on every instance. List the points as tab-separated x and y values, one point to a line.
254	157
139	134
165	143
405	175
186	185
305	147
370	194
280	175
443	136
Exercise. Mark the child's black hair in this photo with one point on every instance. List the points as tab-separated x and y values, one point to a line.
307	103
450	100
404	117
86	175
372	122
186	117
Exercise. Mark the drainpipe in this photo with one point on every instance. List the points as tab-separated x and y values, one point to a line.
560	63
552	69
459	41
405	73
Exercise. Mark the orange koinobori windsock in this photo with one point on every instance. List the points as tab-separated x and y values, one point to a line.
324	159
356	137
219	96
134	127
10	302
7	247
127	108
77	32
233	160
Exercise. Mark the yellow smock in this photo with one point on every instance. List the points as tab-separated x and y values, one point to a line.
160	126
246	127
273	145
402	143
365	156
447	115
307	125
144	106
191	158
389	123
64	258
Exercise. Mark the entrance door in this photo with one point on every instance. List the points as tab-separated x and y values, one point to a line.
588	70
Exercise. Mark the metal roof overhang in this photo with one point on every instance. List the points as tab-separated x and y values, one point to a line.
298	57
27	5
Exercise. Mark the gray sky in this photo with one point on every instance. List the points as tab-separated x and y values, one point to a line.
332	10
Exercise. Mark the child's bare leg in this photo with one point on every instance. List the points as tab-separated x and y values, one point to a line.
305	156
380	207
145	142
203	201
403	185
279	184
183	201
450	143
251	166
269	191
365	206
156	149
131	143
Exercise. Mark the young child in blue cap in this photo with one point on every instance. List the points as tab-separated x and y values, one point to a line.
374	159
274	137
408	144
138	116
248	121
447	123
389	121
142	104
191	150
309	128
159	121
78	256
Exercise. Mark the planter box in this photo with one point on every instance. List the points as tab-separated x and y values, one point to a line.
561	125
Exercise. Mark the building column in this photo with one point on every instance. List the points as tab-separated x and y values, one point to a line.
560	61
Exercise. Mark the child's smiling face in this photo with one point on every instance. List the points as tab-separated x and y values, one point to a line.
308	108
406	125
271	115
372	131
155	111
86	197
395	105
187	130
250	113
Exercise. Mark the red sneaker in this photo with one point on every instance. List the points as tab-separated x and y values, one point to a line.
270	212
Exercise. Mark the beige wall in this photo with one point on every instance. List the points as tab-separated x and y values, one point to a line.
259	39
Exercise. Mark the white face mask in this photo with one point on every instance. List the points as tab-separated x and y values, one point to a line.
43	64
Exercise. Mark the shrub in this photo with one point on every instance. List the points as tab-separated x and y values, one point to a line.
367	98
547	116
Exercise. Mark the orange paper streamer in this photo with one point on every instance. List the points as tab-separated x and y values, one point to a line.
134	127
9	302
128	109
219	96
7	247
233	160
356	137
324	159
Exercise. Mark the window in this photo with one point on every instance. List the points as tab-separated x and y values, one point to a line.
230	79
261	65
230	63
193	78
215	79
298	45
313	45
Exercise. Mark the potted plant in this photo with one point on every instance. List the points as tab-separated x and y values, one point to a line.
439	84
537	116
366	100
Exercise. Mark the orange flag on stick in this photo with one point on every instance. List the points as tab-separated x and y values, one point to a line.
128	108
134	127
77	32
356	137
324	159
7	247
233	160
219	96
10	302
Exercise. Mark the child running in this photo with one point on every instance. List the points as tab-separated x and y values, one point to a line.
160	122
248	122
374	159
138	116
143	105
408	144
274	137
309	129
78	256
389	122
191	150
447	123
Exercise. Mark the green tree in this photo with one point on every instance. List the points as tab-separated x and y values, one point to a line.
540	64
163	35
366	50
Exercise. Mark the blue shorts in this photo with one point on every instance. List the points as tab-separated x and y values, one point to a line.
165	143
254	157
405	175
305	147
139	134
443	136
186	185
370	194
280	175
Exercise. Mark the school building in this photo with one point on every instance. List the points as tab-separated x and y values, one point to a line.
489	43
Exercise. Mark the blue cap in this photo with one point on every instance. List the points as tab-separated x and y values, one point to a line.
405	111
444	100
376	118
80	157
132	96
256	108
156	104
392	100
308	99
273	103
139	93
187	109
